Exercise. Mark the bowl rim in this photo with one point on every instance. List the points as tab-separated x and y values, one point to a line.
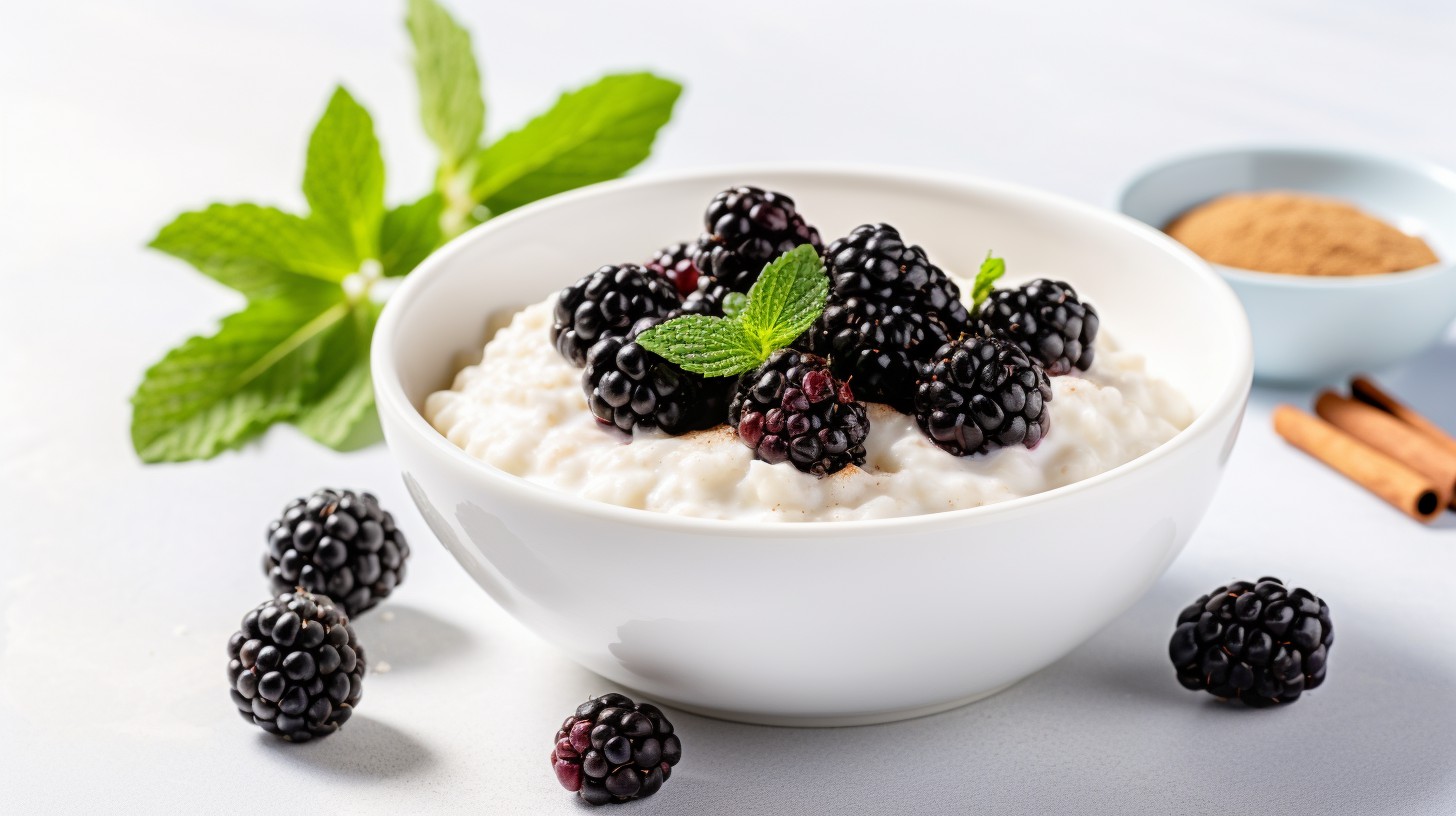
1435	171
1228	399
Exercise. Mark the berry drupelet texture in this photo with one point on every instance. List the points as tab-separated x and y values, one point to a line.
983	393
338	543
295	667
675	262
746	228
605	304
1258	642
793	409
629	387
889	309
707	299
1047	320
614	750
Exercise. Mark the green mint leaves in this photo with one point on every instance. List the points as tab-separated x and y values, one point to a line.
788	297
991	271
298	350
594	133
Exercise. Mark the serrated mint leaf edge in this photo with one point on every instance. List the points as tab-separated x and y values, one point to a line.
710	346
786	299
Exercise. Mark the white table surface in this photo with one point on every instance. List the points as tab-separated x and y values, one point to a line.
119	584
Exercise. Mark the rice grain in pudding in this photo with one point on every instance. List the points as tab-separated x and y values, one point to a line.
521	409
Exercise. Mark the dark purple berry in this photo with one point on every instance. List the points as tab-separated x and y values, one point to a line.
1257	642
793	409
746	228
979	394
607	303
675	263
613	750
1047	321
337	543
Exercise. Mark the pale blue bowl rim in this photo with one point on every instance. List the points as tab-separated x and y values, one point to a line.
1253	277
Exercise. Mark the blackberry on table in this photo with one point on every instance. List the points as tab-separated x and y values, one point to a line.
675	262
747	227
793	409
979	394
628	387
338	543
614	750
1258	642
295	667
605	304
1047	320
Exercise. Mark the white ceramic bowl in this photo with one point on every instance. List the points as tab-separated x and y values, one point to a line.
1318	329
829	622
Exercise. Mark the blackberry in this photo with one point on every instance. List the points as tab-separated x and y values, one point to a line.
1047	320
983	393
605	304
748	227
706	300
295	668
1257	642
874	262
889	309
792	408
628	386
614	750
338	543
675	262
878	347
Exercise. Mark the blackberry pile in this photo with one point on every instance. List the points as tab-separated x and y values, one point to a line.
707	299
339	543
1257	642
295	667
747	227
606	304
979	394
614	750
1047	320
675	263
793	409
629	387
889	309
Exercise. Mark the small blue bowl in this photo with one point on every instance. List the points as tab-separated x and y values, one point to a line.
1316	329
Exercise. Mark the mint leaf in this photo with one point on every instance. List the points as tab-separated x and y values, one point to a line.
410	232
451	104
212	393
592	134
786	300
344	177
991	270
711	346
259	251
342	397
734	303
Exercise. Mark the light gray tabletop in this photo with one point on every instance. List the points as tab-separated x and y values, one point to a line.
119	584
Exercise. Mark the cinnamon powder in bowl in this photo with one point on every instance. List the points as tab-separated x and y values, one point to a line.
1296	234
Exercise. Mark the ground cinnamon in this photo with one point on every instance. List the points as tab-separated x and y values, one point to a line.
1296	234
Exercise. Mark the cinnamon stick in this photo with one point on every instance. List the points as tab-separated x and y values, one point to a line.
1365	390
1392	437
1404	488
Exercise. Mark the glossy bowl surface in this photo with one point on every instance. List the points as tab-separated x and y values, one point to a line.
821	623
1309	330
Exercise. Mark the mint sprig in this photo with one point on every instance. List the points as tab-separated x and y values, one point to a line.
785	301
991	271
298	351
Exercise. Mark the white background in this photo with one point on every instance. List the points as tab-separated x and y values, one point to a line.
119	584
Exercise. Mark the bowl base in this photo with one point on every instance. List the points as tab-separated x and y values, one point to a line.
782	721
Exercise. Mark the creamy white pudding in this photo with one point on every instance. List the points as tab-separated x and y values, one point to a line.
521	409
